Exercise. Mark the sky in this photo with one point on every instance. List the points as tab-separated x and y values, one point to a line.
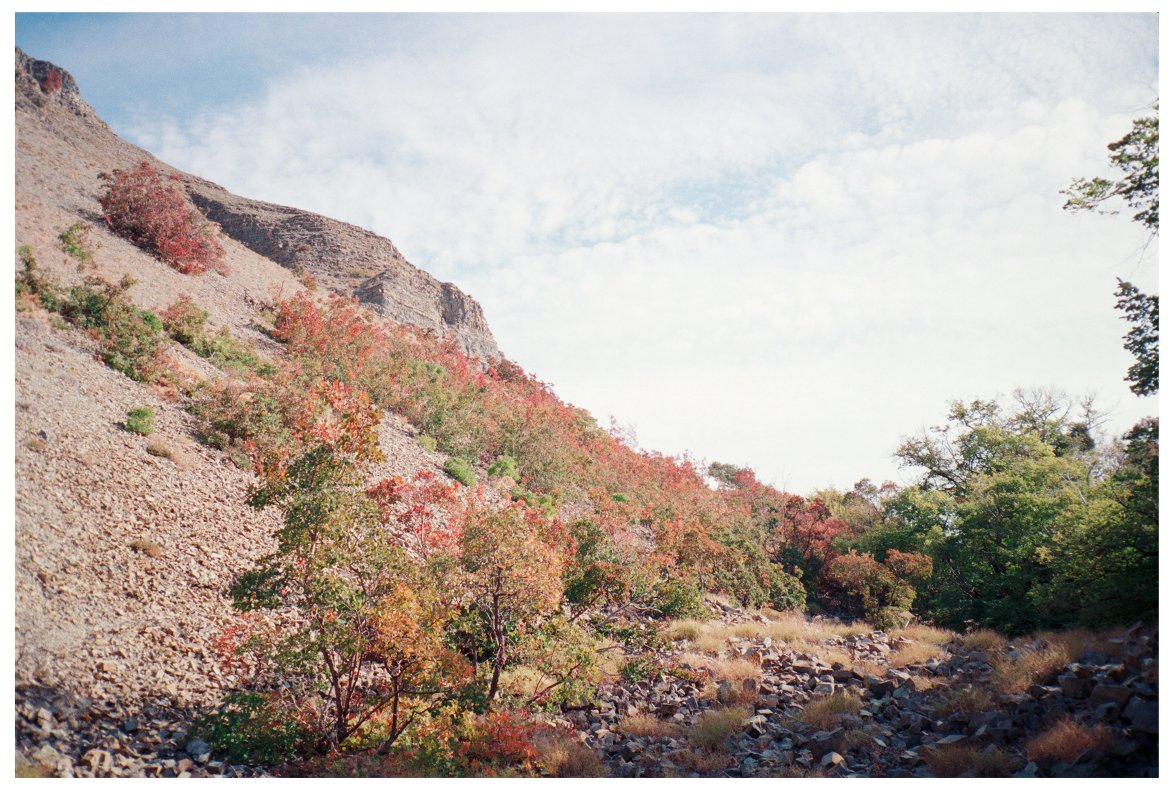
779	240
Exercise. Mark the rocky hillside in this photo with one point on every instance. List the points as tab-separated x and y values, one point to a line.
62	145
125	543
128	535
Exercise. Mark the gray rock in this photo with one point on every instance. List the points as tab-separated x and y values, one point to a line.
1074	686
1110	693
199	750
1108	712
832	760
1143	716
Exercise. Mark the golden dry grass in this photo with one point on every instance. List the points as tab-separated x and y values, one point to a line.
648	726
914	653
828	712
1075	642
734	670
567	758
702	761
920	632
1067	740
966	700
951	761
147	548
983	640
1034	666
688	630
715	728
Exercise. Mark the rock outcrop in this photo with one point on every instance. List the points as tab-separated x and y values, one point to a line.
349	260
341	257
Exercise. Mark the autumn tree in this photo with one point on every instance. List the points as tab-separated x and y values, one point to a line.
512	559
352	623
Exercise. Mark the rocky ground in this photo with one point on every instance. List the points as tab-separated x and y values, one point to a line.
947	714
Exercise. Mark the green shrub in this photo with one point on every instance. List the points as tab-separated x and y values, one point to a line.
141	420
460	470
184	322
676	598
427	443
229	353
504	466
620	497
33	287
74	243
130	337
248	728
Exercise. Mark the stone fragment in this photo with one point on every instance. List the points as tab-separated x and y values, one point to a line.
1073	686
1143	715
1110	693
832	760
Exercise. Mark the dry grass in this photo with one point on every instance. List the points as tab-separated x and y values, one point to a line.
147	548
1068	741
726	669
715	728
702	761
648	726
832	655
855	738
795	627
688	630
569	759
1076	642
928	634
983	640
705	638
1034	666
159	448
165	450
829	711
951	761
966	700
914	653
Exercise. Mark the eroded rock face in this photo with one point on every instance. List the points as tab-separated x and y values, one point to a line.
343	258
41	83
350	261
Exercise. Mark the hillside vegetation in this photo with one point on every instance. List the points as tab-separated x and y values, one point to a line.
538	596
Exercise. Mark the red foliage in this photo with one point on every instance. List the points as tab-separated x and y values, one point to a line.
502	739
427	512
329	413
51	82
153	213
484	411
911	567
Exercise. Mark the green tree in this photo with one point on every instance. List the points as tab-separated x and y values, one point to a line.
993	500
1137	156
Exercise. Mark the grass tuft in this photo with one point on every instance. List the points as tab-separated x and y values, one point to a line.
1067	741
829	711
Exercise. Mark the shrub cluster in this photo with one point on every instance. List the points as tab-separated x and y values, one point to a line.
152	212
141	420
130	339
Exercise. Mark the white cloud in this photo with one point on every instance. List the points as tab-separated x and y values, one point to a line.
784	241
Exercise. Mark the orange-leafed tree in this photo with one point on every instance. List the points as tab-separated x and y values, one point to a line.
512	559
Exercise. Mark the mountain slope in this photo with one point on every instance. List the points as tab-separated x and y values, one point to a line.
62	146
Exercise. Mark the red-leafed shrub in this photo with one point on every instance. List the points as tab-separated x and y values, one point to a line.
51	82
857	584
426	512
914	568
502	740
152	212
